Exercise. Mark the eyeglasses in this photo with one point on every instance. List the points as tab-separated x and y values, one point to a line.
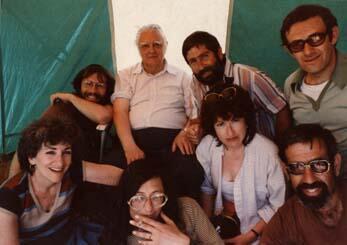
314	40
204	57
227	94
317	166
139	201
90	84
155	44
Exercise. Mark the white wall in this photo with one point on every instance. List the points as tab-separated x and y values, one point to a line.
178	18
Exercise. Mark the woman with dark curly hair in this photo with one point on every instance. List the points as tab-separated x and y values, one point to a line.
35	205
243	177
151	213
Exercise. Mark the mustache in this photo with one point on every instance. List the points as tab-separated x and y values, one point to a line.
206	69
93	94
316	184
315	202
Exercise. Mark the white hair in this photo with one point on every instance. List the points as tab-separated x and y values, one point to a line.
155	27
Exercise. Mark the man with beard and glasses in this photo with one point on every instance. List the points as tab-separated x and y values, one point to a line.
210	67
316	214
89	105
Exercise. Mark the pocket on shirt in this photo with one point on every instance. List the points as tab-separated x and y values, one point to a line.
172	94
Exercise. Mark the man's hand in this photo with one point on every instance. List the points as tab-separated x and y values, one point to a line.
194	133
67	97
154	232
133	153
182	142
246	238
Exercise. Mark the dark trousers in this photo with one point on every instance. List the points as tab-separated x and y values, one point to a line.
184	170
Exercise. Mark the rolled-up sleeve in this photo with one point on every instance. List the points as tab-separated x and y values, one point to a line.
123	86
205	158
276	189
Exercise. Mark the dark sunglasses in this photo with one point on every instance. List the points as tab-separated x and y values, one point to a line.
313	40
227	94
317	166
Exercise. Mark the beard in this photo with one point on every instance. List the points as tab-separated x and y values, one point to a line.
211	75
313	202
98	98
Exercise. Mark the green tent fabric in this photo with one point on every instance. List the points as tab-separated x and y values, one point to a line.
254	36
43	44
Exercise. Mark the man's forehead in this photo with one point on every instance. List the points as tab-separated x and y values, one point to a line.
197	50
96	77
305	151
201	47
150	35
303	29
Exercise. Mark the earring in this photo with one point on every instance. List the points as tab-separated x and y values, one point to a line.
32	168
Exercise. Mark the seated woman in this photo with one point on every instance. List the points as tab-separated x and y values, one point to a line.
243	175
35	205
156	216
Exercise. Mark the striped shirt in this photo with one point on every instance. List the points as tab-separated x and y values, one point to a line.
18	198
267	98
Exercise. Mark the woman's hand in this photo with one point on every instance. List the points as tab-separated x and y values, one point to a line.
155	232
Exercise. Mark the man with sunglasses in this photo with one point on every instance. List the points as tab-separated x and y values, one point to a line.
317	91
316	214
211	67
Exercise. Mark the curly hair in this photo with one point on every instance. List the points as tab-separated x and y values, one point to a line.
200	38
102	74
238	106
47	130
307	133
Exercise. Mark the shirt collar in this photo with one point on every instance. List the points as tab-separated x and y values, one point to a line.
228	68
339	76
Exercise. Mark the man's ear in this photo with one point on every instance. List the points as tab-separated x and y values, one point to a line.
335	33
337	163
220	54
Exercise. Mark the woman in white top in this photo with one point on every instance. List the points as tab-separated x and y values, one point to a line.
243	173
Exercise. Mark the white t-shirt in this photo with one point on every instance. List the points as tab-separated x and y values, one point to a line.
313	91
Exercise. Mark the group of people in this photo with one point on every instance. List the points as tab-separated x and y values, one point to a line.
201	160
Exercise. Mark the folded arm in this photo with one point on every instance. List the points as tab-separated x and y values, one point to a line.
101	173
101	114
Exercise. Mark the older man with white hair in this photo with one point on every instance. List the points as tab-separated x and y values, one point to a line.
151	107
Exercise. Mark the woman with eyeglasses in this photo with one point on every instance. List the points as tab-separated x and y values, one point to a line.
244	183
36	204
152	214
